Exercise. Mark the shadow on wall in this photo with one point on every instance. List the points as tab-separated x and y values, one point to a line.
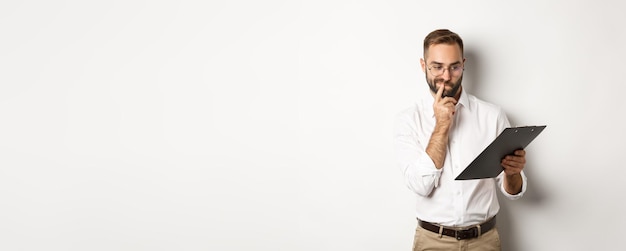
471	72
507	222
535	195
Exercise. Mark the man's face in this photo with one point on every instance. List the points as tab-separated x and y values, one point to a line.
446	57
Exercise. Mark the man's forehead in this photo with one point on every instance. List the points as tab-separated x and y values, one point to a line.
444	53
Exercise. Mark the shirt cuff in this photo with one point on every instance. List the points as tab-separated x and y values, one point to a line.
518	195
428	170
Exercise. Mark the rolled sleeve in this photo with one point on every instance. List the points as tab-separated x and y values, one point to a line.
507	194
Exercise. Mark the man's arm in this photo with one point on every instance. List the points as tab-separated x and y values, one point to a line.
420	174
438	145
444	108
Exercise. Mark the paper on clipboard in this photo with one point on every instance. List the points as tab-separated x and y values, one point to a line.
487	164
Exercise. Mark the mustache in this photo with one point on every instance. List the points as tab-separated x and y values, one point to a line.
455	85
439	80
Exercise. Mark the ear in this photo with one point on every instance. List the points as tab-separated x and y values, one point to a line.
423	64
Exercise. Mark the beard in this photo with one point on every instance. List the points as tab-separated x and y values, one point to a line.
432	83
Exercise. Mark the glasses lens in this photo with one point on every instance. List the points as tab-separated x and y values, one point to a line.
436	70
456	70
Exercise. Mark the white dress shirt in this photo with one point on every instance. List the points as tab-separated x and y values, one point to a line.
440	198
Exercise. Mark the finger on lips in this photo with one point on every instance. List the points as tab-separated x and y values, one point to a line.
439	93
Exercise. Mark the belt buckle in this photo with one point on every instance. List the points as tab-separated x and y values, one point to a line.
466	233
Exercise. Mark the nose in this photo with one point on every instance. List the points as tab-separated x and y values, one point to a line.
446	74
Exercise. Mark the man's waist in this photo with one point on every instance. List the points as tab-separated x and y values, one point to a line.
449	221
459	233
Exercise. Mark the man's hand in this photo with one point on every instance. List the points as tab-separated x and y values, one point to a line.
513	166
444	108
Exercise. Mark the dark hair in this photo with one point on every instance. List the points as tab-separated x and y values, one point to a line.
442	36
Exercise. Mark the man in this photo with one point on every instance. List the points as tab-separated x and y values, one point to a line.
436	139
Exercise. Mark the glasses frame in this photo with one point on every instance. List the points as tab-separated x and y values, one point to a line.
452	72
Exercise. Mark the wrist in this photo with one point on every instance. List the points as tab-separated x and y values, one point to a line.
513	176
442	127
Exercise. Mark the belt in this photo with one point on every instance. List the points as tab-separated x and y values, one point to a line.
459	233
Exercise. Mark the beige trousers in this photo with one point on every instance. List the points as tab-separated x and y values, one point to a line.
428	241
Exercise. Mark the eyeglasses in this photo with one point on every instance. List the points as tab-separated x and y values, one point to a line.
438	70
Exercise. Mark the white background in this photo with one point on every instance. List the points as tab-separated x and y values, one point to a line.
267	125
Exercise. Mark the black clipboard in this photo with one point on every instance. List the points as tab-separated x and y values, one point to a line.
487	164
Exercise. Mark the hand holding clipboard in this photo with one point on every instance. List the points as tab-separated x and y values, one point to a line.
487	164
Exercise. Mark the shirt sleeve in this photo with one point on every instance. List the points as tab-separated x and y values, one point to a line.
420	174
503	123
506	194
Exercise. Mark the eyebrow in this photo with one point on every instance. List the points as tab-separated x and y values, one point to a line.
435	62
